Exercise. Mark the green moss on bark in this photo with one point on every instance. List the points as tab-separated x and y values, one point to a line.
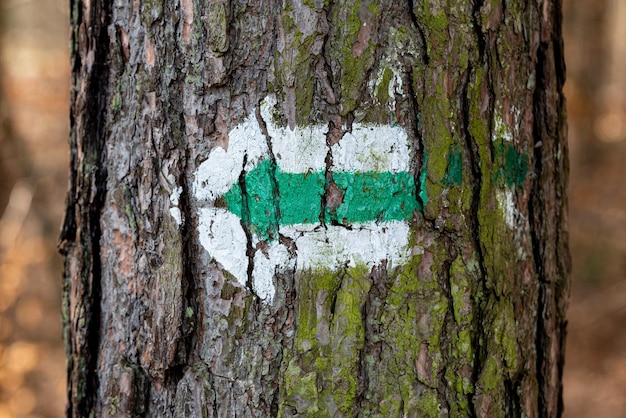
321	374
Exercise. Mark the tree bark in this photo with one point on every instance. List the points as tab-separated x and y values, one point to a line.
317	208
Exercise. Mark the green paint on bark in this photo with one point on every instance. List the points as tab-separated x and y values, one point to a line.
260	216
374	196
512	167
300	197
365	197
423	194
454	173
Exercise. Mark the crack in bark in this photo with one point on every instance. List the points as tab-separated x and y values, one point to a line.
540	342
214	400
448	320
88	177
479	338
274	406
562	240
549	327
512	398
328	161
378	291
361	367
273	168
245	221
328	181
335	292
189	324
415	21
323	70
536	218
415	120
188	256
415	130
477	26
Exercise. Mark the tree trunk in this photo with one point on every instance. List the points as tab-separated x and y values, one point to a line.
316	208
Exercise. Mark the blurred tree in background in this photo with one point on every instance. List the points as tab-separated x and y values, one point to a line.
595	51
33	182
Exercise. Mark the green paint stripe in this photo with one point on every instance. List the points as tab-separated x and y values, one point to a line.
367	197
512	166
454	172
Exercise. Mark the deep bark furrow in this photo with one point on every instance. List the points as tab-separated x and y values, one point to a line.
415	128
191	322
479	333
550	256
245	222
536	200
447	330
362	367
536	214
478	30
86	197
418	25
541	343
513	401
272	175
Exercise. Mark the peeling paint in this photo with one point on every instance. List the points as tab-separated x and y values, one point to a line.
507	205
175	210
222	168
387	84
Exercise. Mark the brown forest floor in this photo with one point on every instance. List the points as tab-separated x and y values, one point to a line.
33	160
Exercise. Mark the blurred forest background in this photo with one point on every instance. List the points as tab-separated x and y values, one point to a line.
34	92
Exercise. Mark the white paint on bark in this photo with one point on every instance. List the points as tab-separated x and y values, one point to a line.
507	205
221	170
333	247
224	239
175	210
367	147
500	130
267	263
299	150
372	148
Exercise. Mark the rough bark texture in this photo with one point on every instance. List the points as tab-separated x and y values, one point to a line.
471	324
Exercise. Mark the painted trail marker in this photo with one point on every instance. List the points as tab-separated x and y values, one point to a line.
276	198
364	220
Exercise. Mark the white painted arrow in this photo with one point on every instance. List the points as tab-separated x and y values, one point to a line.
364	159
